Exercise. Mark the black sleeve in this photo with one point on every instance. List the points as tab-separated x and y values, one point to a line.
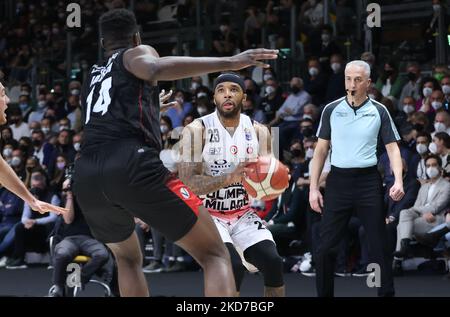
388	131
324	129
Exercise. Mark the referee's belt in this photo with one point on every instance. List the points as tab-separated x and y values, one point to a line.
357	170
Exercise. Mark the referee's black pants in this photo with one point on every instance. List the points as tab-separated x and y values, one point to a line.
348	191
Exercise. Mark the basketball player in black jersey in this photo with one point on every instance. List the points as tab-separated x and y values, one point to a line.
119	175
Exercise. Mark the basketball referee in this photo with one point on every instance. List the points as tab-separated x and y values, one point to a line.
353	125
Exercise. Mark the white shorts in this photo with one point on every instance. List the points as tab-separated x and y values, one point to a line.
243	233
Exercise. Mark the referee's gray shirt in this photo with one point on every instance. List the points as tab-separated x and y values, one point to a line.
354	132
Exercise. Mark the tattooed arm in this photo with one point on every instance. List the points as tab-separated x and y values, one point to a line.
190	168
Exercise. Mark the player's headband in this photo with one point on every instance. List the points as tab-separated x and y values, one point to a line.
231	78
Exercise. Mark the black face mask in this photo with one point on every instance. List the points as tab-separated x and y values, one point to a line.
418	127
295	89
411	76
38	192
307	132
23	148
36	142
249	91
388	73
296	152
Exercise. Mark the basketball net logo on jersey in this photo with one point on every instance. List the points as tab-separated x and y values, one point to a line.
103	98
222	152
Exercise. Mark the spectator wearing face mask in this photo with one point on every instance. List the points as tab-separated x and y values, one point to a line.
180	110
47	127
325	49
43	151
73	112
441	146
17	163
306	129
64	145
445	84
77	139
203	107
316	82
34	228
166	128
390	83
423	141
248	108
18	127
224	41
273	98
59	174
336	86
41	108
290	113
25	106
196	85
412	87
441	122
407	110
433	104
428	209
428	85
7	152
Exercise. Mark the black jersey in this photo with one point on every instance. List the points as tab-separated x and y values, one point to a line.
118	105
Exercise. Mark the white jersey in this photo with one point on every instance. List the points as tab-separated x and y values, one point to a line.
221	153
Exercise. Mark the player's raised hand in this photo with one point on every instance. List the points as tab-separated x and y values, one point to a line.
163	97
253	57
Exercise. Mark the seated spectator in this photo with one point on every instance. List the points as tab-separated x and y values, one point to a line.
74	238
316	82
427	86
34	228
325	49
203	107
180	110
411	88
18	163
73	112
289	115
7	152
43	151
25	105
445	85
428	209
253	91
336	81
18	127
441	122
420	122
370	59
441	147
390	82
166	128
7	138
273	98
432	237
408	108
38	114
249	108
423	141
64	145
224	41
11	208
59	174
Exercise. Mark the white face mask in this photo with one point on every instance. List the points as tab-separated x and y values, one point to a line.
335	67
77	146
427	91
164	129
202	94
195	85
7	152
75	92
270	90
421	148
446	89
325	37
439	127
432	172
267	77
201	111
41	104
15	161
408	108
309	153
436	105
372	96
313	71
45	130
433	148
307	116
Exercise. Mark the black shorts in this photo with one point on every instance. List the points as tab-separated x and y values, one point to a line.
116	182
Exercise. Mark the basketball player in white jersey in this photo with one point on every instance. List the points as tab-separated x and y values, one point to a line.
214	150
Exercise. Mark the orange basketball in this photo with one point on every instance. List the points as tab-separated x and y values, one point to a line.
268	178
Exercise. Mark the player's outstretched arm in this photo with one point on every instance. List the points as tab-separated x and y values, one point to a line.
144	62
10	180
190	167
